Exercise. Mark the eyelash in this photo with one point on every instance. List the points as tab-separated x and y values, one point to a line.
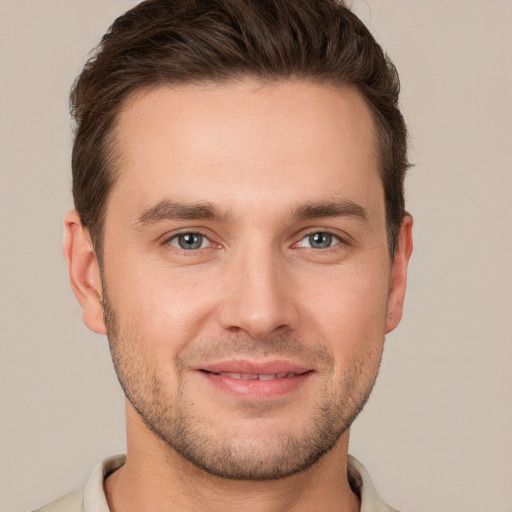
333	238
168	240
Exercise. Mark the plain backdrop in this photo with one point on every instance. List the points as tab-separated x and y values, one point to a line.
436	435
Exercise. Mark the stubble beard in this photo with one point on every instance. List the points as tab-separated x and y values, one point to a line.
177	421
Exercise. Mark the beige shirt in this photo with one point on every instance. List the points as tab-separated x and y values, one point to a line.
92	497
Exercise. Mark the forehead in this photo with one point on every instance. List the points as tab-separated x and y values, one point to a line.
240	142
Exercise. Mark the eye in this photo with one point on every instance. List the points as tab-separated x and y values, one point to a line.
189	241
319	240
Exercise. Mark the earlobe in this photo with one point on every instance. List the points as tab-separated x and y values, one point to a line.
84	272
398	276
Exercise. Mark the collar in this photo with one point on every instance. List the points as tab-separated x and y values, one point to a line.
94	499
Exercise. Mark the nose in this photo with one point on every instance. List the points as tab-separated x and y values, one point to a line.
259	295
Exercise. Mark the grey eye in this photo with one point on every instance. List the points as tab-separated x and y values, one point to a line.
320	240
189	241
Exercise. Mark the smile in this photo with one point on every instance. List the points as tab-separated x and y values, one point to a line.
255	376
256	382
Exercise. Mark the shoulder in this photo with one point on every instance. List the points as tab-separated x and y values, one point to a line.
362	485
92	497
72	502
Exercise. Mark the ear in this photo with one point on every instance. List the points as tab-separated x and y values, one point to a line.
84	272
398	276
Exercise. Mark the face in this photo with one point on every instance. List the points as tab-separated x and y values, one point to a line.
247	283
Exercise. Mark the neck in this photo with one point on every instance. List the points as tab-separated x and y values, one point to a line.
155	477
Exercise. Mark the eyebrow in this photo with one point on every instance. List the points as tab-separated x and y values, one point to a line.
341	208
169	210
172	210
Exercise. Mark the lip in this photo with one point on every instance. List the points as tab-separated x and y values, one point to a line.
255	367
290	377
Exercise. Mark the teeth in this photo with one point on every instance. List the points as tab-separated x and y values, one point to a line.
254	376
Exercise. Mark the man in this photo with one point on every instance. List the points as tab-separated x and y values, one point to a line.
240	236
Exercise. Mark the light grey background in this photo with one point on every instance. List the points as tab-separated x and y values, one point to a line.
437	432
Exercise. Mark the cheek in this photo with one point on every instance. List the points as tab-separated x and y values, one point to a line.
349	309
159	303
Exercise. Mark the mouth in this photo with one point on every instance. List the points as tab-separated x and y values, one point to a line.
256	376
256	381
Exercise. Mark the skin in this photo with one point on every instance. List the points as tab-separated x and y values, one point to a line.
278	163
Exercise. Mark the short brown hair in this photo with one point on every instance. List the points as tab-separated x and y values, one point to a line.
186	41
